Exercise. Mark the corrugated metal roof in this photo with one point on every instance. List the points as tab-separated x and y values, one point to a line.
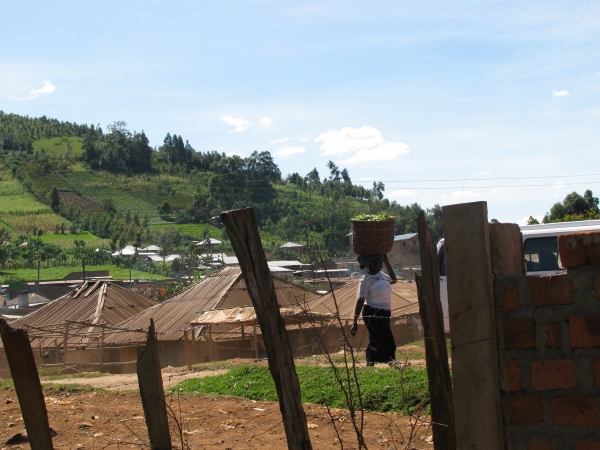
404	300
402	237
221	290
95	302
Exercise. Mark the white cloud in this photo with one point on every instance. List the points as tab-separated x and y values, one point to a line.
367	179
47	88
239	123
562	93
265	122
557	187
366	142
400	193
288	151
234	152
483	174
384	152
279	141
304	139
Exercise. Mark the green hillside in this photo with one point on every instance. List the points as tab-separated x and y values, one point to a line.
112	184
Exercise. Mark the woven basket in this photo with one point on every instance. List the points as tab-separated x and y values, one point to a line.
371	237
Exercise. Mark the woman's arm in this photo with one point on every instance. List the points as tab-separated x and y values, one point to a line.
357	309
389	269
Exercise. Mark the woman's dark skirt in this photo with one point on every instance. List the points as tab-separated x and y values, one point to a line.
381	348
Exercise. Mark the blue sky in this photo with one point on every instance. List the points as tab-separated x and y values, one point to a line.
488	95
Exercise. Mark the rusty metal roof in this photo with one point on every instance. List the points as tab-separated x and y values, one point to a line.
94	303
221	290
404	300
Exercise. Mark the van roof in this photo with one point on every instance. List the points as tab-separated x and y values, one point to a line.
555	229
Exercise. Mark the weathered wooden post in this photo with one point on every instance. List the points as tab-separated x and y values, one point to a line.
475	371
243	233
153	394
436	353
27	384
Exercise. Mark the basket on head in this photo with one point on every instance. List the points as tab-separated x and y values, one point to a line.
372	237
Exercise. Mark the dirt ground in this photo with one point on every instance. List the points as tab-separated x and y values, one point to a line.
130	381
114	419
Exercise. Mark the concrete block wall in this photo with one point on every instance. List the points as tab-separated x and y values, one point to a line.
549	351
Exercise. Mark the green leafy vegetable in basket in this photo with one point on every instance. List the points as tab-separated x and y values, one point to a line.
374	217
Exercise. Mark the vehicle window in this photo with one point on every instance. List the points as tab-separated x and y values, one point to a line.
542	254
442	261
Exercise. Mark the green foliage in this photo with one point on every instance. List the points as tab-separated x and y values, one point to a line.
58	273
532	221
574	207
383	389
373	217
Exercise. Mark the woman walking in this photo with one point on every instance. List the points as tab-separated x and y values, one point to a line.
375	301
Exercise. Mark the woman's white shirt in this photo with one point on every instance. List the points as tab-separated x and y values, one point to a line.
376	290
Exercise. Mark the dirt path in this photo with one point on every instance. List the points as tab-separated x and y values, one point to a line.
115	420
130	381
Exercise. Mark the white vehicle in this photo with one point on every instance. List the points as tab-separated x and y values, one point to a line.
540	246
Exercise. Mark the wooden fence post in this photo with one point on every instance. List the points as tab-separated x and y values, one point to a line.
436	353
472	327
27	384
186	349
243	234
153	394
65	343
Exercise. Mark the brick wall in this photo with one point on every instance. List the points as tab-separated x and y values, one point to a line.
549	351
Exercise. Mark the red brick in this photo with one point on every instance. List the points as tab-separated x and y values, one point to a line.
579	249
588	445
551	290
578	411
509	294
519	333
596	369
552	374
536	443
584	331
571	250
526	409
554	335
513	375
597	286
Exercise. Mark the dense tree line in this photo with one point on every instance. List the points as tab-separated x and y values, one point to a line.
17	133
573	207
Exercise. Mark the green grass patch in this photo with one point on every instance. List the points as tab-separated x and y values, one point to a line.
71	388
58	145
24	223
67	240
192	229
7	384
383	389
58	273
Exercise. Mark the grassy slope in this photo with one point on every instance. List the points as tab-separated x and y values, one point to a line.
20	210
382	389
67	240
58	273
58	145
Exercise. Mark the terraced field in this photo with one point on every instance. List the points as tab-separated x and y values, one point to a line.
20	211
97	189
